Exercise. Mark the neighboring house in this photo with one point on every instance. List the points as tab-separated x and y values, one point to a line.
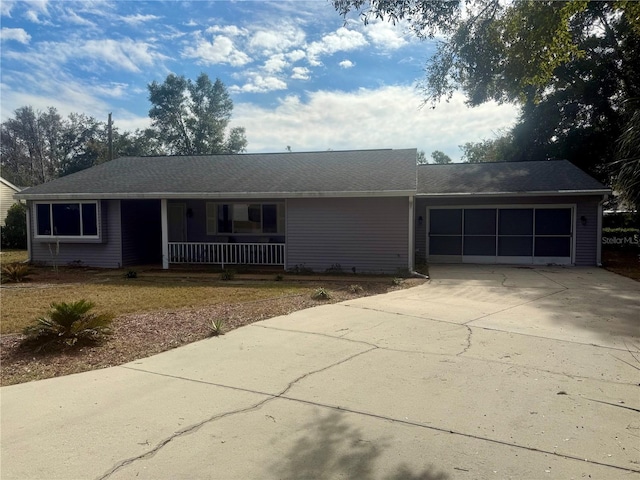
366	211
7	189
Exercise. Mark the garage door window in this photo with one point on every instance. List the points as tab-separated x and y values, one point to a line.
503	232
446	231
515	232
480	231
553	232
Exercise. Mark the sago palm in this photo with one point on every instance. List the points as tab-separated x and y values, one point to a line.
68	324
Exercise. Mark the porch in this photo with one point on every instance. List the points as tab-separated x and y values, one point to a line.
268	254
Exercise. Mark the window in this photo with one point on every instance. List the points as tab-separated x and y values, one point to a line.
67	219
245	218
539	231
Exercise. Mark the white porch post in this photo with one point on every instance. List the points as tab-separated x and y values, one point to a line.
412	221
29	205
165	233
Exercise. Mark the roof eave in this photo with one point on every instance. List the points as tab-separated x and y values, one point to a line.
516	194
211	195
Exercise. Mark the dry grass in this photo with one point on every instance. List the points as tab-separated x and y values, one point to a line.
154	312
21	303
12	256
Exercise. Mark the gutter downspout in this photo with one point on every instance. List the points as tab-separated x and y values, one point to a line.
599	233
412	220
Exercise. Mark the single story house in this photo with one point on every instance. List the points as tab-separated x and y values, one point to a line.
365	211
7	190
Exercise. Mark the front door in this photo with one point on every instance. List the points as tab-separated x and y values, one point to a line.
177	220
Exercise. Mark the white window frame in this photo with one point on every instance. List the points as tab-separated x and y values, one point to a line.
37	235
212	218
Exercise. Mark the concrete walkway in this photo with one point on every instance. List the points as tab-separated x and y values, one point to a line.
484	372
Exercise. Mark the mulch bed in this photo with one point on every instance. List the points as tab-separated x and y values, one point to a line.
141	335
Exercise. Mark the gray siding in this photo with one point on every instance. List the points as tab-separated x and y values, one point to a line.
370	234
107	254
586	236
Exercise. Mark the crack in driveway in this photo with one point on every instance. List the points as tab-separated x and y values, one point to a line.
193	428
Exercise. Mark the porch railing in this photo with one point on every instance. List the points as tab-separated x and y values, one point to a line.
227	253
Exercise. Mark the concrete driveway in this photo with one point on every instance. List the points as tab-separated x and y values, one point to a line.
482	373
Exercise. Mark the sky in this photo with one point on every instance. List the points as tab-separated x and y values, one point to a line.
299	74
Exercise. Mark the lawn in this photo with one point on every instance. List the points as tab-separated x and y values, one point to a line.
21	303
12	256
156	311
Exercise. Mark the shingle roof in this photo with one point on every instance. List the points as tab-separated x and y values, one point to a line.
505	177
279	174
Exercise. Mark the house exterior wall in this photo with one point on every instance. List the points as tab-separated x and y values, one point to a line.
6	201
141	232
368	234
107	253
586	236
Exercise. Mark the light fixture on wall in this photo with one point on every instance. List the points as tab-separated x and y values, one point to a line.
583	220
420	220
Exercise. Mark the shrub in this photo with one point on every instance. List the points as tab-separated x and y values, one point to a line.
68	324
397	281
279	277
14	232
301	269
217	327
15	273
321	294
131	274
228	275
335	269
357	289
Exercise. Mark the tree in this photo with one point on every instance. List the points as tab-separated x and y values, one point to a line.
440	158
627	166
499	149
192	118
571	66
29	146
39	146
421	159
14	231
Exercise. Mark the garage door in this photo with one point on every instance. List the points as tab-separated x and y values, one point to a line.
533	235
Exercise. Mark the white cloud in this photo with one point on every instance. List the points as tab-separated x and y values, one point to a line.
126	54
227	30
5	7
385	35
275	63
258	83
277	39
220	50
138	18
388	117
346	64
300	73
38	8
75	19
295	55
341	40
17	34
